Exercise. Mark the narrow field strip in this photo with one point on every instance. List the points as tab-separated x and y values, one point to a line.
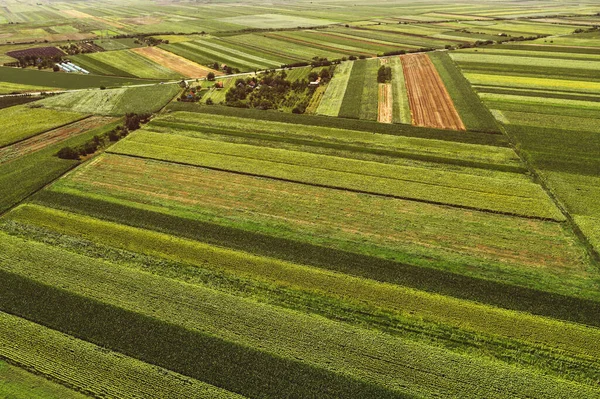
401	105
518	198
51	137
430	102
92	369
353	96
386	100
334	94
294	346
22	122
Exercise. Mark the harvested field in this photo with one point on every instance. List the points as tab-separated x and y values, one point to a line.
172	61
47	139
430	102
385	110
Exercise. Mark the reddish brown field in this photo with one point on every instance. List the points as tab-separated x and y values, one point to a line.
36	52
51	137
385	111
172	61
430	103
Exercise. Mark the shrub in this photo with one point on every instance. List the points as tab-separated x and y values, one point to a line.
67	153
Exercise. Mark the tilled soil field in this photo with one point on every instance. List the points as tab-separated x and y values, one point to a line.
430	103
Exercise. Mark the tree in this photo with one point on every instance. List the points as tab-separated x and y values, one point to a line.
67	153
313	76
210	76
209	101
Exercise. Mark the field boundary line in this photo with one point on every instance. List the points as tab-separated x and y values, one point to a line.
49	130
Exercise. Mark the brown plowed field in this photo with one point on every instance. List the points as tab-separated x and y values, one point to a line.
385	111
51	137
430	103
179	64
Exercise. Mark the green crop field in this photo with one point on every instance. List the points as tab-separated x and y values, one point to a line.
125	63
121	101
302	250
23	121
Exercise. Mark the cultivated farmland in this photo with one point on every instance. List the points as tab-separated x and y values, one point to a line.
406	208
430	103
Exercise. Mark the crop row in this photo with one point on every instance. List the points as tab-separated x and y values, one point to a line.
332	99
127	63
175	325
516	197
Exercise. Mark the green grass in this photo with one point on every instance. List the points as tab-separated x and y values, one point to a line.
538	62
189	335
21	122
139	100
473	113
334	94
84	366
8	88
16	383
513	197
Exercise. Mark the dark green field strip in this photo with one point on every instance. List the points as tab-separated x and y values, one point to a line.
86	368
557	49
220	363
458	325
342	123
287	58
559	150
525	70
6	102
473	113
176	324
537	93
96	66
337	149
65	80
203	57
427	279
353	96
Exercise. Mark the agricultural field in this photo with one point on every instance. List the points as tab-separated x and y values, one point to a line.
421	220
138	100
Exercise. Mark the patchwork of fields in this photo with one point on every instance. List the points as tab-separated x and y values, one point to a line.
429	227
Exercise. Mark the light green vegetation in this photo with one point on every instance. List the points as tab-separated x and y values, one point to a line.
16	383
487	58
395	367
23	121
128	62
591	39
6	88
515	197
527	51
275	21
591	228
71	361
334	94
121	101
401	106
403	145
533	82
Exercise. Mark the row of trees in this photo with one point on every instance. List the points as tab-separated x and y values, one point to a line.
132	122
